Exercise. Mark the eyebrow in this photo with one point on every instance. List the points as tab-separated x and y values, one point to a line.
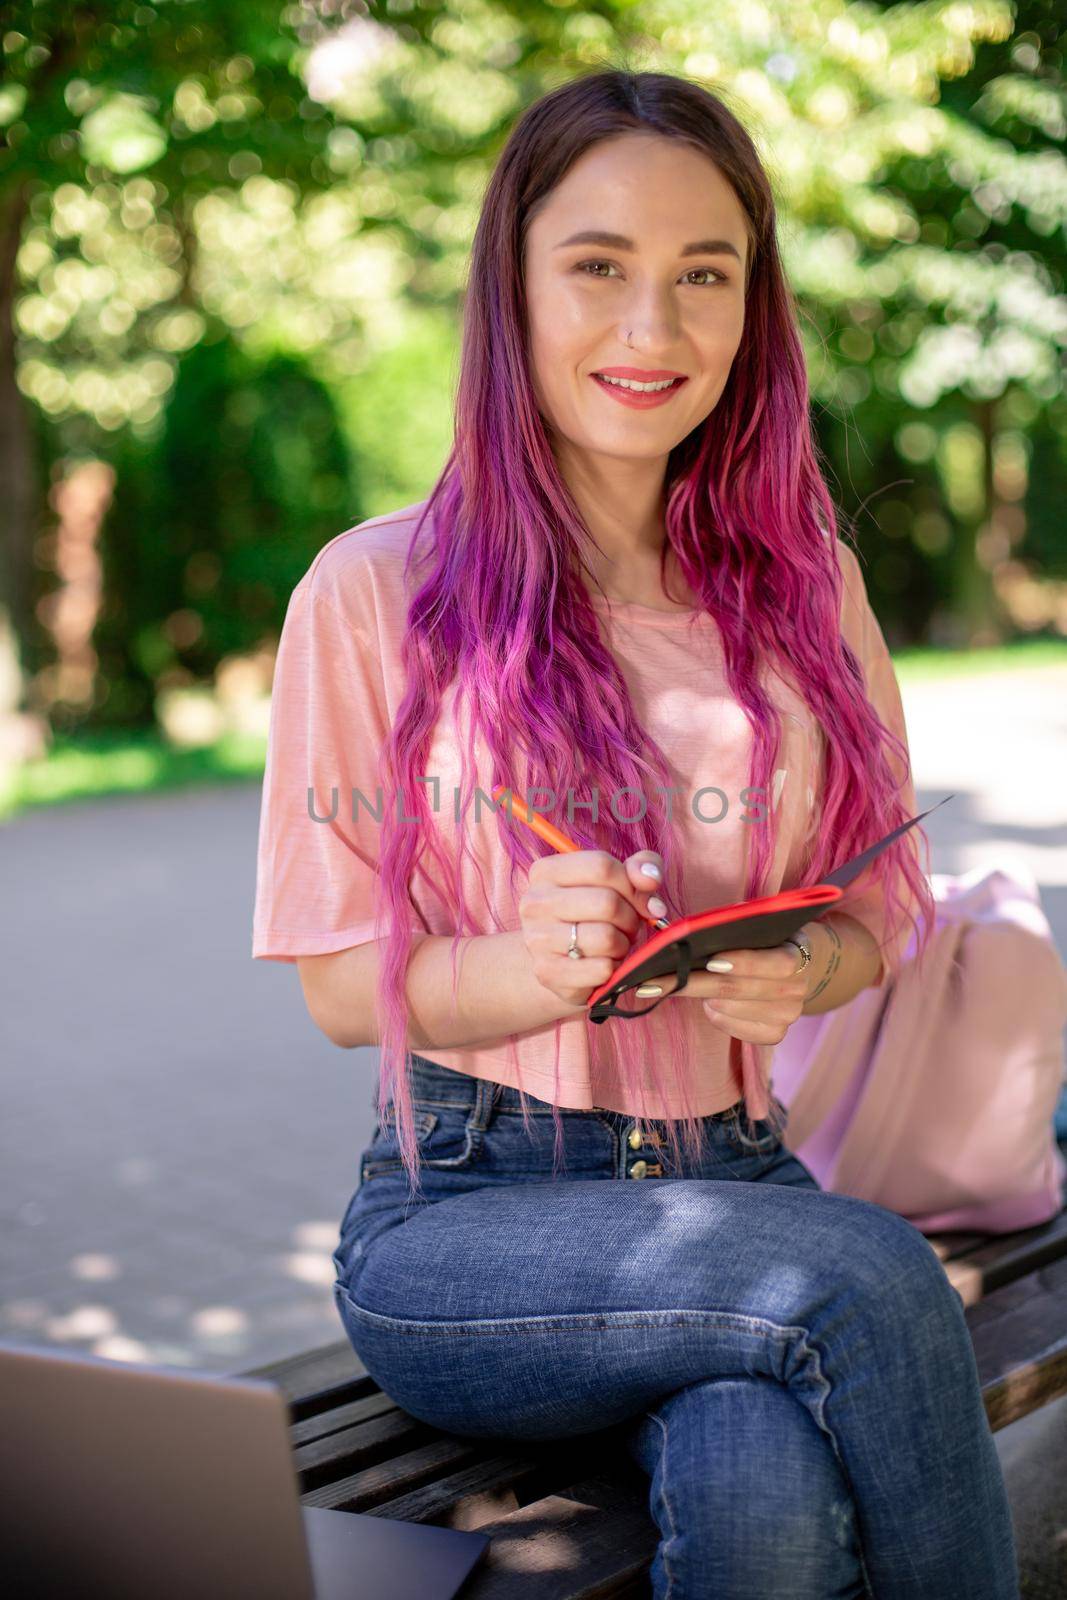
619	241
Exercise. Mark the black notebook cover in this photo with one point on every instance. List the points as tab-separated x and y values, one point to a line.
750	925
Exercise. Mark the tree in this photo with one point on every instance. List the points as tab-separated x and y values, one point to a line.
290	175
197	96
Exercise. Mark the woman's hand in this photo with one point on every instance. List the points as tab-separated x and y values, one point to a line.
607	898
757	1001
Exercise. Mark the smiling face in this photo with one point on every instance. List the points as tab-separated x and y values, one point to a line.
650	306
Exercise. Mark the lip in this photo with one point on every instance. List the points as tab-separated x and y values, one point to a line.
628	397
638	374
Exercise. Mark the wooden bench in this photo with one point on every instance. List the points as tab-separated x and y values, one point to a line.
575	1513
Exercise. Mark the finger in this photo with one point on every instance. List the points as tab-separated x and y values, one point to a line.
649	884
730	986
710	986
777	961
590	904
753	1010
765	1023
698	987
653	988
751	1032
587	974
596	938
594	869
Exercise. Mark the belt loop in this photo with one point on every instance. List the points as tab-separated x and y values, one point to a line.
484	1101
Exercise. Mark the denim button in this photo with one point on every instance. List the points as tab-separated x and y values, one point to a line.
639	1169
635	1138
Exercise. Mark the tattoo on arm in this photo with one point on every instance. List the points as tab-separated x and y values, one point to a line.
835	962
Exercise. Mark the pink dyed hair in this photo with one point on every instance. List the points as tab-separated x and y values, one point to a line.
500	607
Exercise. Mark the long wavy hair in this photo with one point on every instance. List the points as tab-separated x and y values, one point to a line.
498	606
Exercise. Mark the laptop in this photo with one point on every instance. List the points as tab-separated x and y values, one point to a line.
121	1482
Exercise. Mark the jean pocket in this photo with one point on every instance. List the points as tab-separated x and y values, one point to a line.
442	1137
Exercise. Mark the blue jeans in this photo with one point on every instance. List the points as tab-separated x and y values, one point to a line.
790	1367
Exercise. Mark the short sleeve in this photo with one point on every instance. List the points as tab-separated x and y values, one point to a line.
315	879
860	627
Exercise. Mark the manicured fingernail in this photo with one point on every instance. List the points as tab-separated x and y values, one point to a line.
650	870
718	965
647	990
657	907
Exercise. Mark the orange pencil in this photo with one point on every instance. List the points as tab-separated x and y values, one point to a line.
549	833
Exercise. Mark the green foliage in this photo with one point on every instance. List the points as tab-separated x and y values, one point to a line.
398	411
1045	542
243	235
214	522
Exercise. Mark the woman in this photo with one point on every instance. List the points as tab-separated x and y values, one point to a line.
612	593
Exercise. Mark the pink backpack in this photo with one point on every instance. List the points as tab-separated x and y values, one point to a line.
936	1098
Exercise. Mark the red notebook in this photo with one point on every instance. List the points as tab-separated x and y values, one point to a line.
750	925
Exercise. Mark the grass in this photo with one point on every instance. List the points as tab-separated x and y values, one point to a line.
915	665
96	764
93	765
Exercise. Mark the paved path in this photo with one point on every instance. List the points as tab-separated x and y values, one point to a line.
179	1142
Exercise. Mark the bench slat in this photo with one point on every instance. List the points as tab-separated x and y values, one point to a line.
528	1472
346	1451
1002	1259
345	1414
1020	1342
484	1491
315	1375
369	1487
594	1541
951	1245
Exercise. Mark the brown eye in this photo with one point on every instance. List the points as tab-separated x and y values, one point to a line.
716	277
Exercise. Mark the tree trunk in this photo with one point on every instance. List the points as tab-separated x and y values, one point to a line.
981	613
17	468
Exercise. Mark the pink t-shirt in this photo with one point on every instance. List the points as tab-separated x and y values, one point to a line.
338	684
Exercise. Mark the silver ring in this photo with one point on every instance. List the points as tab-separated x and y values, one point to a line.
805	957
572	949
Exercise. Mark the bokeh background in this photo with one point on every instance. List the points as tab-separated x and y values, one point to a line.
233	244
